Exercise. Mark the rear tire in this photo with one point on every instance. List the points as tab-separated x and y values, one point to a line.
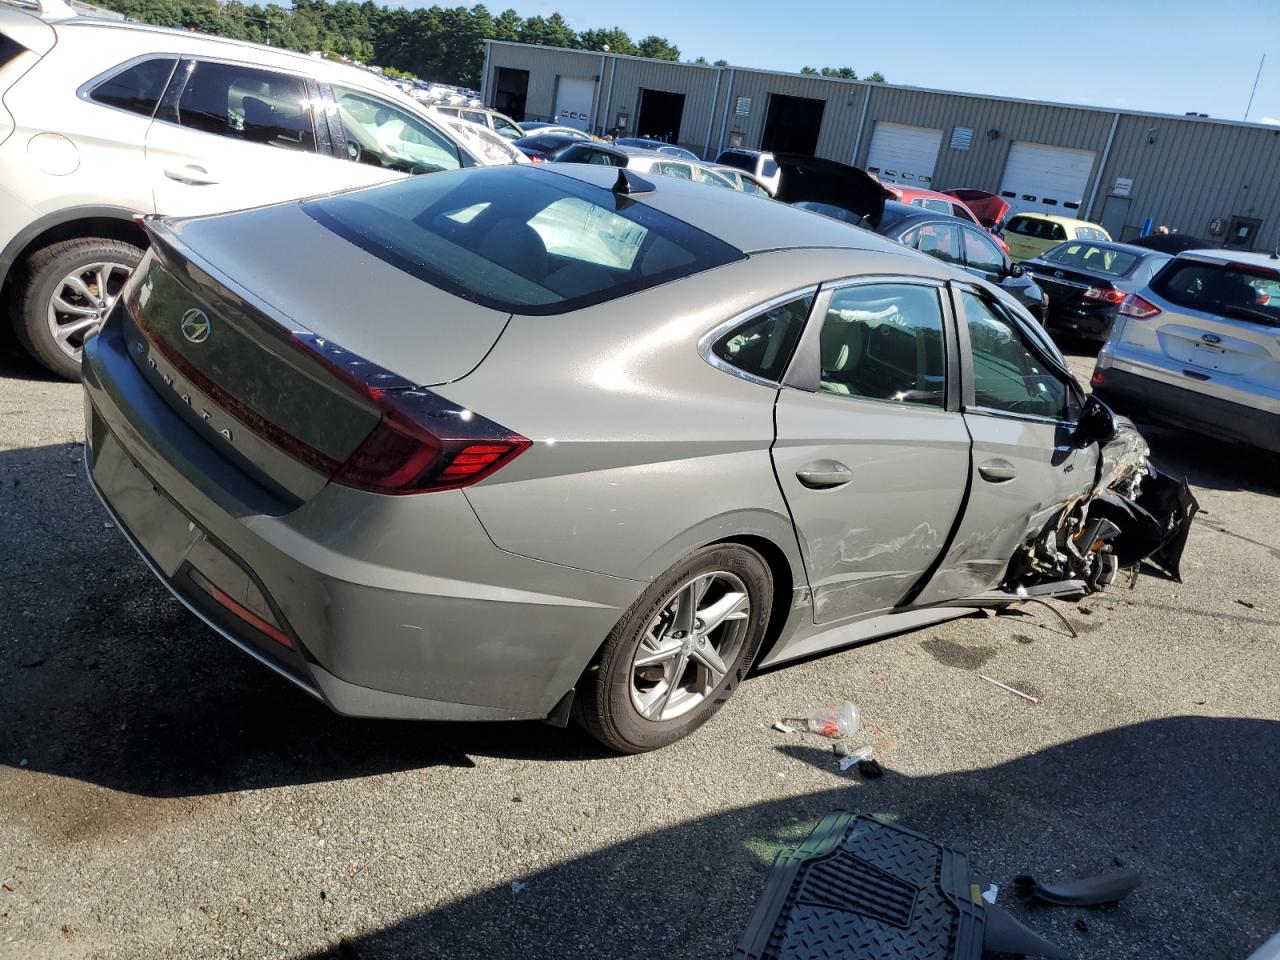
73	271
725	593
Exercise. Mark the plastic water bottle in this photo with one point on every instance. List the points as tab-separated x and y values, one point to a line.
835	719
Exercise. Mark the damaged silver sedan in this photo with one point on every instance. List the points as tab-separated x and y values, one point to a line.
521	443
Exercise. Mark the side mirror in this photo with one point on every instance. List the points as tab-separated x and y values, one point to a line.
1097	424
1016	270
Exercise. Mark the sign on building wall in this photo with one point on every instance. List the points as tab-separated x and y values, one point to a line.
1123	187
743	108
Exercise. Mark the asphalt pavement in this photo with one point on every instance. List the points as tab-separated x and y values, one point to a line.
161	795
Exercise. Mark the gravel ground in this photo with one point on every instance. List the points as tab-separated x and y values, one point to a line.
163	796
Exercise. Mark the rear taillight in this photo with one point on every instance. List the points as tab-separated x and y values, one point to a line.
423	442
1098	377
1138	307
1104	294
535	158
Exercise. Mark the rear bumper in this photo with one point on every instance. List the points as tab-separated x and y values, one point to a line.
395	606
1088	322
1141	396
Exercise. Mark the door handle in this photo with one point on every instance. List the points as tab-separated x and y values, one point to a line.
997	471
824	475
190	174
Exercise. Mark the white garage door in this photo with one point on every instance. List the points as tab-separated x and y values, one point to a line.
574	96
903	154
1046	179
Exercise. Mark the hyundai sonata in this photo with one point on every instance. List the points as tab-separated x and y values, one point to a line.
530	443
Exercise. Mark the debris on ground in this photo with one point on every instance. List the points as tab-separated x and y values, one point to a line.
991	893
1081	925
870	769
1089	892
783	727
835	719
856	756
518	886
1246	604
1005	686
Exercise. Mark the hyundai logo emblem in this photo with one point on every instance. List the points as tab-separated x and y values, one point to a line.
1211	338
196	326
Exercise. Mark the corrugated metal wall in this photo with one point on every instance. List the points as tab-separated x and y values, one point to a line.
1191	172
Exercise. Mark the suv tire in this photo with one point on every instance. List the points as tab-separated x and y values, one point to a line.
73	271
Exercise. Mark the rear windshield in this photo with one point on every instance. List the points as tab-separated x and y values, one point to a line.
1091	257
740	160
1238	290
520	240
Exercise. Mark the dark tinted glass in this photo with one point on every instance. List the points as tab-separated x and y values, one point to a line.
739	160
9	49
1237	290
519	239
246	104
980	253
763	345
137	89
1091	257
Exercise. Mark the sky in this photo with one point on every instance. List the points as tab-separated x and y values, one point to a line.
1168	56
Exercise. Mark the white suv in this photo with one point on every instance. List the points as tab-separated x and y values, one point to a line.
103	120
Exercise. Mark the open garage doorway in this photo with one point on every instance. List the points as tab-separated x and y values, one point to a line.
792	123
510	88
660	115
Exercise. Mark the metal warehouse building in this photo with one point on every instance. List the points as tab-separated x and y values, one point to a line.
1213	178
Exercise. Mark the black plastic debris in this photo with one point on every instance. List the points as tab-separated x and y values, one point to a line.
1091	891
1154	527
863	889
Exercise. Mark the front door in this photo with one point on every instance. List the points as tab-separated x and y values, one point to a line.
871	453
230	136
1019	408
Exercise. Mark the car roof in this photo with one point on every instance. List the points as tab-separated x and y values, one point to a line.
1056	218
1220	255
752	224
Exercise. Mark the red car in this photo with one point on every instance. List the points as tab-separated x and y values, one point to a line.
949	202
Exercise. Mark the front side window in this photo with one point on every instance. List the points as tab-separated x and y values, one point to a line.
940	240
753	188
506	128
1008	375
762	346
137	89
981	254
885	342
706	176
384	135
244	103
472	116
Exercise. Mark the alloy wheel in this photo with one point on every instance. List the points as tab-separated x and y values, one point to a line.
81	301
689	645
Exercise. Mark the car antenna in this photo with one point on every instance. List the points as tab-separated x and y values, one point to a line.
628	184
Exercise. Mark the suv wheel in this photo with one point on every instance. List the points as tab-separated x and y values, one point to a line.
679	652
68	290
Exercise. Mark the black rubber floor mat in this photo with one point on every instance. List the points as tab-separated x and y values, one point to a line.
859	888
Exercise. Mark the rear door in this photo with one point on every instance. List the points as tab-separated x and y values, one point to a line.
1020	408
872	453
229	136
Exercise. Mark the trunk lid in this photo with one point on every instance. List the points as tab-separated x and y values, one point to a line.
1220	317
987	207
1065	287
250	364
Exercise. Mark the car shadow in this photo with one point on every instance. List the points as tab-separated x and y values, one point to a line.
105	678
1188	801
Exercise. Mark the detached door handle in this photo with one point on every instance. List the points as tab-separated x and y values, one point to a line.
824	475
997	471
190	174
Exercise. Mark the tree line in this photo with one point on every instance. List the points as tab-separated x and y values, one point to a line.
431	43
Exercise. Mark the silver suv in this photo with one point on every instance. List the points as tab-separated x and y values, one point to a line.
1200	347
102	120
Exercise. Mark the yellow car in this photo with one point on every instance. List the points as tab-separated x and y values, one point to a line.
1031	234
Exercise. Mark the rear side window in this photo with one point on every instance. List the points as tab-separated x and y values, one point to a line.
885	342
1016	225
137	89
940	240
769	167
1238	290
739	160
242	103
762	346
520	240
1056	232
